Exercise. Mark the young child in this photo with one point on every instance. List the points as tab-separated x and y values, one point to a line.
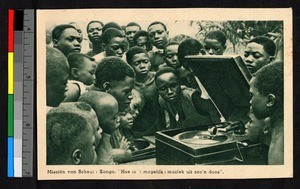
184	105
171	55
66	38
82	74
137	103
159	37
141	39
114	44
106	108
117	78
266	89
70	135
130	30
215	42
57	74
150	118
259	52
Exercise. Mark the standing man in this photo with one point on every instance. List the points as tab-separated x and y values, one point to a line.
130	29
159	37
66	38
94	30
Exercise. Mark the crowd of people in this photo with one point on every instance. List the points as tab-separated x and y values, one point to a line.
133	83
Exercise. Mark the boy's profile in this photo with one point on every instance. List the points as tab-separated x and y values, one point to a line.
259	52
116	77
57	74
66	38
215	42
107	110
70	136
266	90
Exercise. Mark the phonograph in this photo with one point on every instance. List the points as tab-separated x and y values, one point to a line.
226	80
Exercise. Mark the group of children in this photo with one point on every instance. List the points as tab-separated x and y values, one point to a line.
133	83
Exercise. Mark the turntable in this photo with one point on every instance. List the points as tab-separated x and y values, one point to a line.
226	80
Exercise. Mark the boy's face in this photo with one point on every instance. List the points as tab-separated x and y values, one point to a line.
68	42
213	47
143	42
171	57
141	64
158	35
254	128
87	147
86	74
130	31
168	87
56	89
109	117
136	107
94	32
255	57
186	77
126	119
116	47
121	90
258	101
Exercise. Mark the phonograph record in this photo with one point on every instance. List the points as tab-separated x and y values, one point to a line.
226	80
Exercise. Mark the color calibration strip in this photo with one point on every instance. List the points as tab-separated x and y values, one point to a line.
20	92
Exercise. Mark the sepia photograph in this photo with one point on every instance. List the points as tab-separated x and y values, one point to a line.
164	93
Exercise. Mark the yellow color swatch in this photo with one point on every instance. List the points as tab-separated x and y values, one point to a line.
10	73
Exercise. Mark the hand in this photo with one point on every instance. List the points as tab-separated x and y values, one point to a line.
124	144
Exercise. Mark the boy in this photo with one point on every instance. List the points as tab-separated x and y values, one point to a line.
159	37
215	42
171	55
142	39
259	52
150	118
66	38
94	30
130	29
137	103
70	137
57	74
117	78
82	74
106	108
184	105
114	44
266	90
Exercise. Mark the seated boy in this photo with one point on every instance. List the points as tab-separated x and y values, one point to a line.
141	39
266	90
215	42
114	44
184	105
107	110
150	117
57	74
259	52
82	73
117	78
70	136
171	55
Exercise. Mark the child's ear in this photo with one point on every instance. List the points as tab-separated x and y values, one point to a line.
74	72
106	86
271	100
76	156
271	59
55	42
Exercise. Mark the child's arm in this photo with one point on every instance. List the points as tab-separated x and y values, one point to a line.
124	143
